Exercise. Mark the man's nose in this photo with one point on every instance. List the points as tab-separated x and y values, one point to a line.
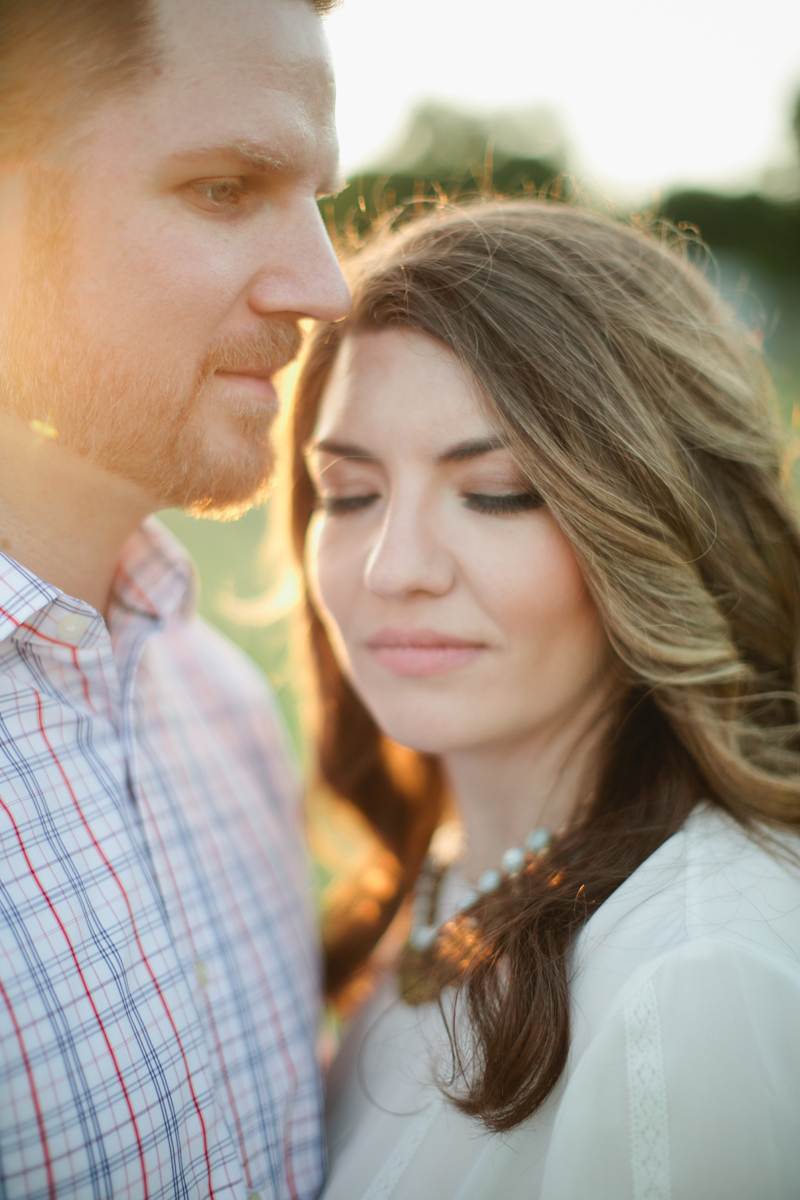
300	275
408	556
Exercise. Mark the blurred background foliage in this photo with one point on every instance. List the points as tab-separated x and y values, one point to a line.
448	154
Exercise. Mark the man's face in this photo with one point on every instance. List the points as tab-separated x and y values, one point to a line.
164	268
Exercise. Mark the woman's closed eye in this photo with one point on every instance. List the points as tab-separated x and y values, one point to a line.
503	504
343	506
492	505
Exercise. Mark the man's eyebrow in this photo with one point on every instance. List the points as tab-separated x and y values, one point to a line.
472	448
257	155
339	449
262	159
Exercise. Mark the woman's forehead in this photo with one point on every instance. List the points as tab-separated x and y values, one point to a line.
396	383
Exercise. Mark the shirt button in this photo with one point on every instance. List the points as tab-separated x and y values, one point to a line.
72	628
254	1196
201	971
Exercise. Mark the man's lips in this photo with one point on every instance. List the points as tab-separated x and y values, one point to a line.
421	651
259	381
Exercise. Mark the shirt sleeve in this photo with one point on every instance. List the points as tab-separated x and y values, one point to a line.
690	1090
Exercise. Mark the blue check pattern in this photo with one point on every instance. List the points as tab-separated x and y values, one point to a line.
158	970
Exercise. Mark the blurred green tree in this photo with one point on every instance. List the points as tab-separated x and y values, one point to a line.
447	153
766	230
755	241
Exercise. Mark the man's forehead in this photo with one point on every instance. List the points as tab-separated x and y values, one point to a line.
245	52
250	76
282	35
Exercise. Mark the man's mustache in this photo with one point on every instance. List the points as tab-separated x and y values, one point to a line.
269	348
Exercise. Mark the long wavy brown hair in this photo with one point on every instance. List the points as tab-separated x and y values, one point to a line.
642	412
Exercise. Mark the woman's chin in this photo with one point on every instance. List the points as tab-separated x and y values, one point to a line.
428	737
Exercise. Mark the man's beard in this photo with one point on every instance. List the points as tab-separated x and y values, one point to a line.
139	425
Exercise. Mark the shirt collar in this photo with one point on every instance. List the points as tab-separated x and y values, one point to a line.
155	577
22	595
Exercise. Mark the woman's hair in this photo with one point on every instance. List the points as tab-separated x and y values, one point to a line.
642	413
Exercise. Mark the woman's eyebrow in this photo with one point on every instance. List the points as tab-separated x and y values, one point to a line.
339	449
472	448
461	452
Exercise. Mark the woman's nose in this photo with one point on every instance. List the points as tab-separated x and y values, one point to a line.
408	556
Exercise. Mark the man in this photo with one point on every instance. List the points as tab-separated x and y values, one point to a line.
159	241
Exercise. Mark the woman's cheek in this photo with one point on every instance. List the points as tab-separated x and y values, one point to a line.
529	578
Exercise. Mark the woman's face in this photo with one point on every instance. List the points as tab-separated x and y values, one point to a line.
453	601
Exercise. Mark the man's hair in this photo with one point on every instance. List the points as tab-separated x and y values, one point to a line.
58	57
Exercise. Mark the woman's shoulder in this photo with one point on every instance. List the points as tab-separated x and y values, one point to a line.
686	992
741	884
713	891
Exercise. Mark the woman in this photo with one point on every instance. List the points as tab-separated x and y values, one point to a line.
537	490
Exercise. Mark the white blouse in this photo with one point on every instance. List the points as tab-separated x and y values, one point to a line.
683	1080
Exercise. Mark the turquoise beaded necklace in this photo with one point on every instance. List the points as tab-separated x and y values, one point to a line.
447	847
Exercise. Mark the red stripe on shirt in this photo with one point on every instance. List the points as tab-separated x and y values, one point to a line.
209	1009
51	1183
89	996
291	1072
145	960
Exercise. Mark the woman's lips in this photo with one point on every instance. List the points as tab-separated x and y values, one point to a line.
421	651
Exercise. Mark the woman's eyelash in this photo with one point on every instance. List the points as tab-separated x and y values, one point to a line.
498	505
513	502
341	506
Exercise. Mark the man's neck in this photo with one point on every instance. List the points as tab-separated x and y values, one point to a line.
61	516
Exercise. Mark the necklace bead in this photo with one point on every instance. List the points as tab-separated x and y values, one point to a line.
422	937
416	961
513	860
539	840
490	880
467	900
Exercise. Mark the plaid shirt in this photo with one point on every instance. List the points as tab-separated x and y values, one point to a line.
158	973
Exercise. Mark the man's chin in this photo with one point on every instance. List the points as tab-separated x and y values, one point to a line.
224	468
214	508
222	490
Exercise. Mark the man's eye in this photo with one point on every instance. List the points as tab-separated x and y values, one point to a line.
218	195
496	506
342	506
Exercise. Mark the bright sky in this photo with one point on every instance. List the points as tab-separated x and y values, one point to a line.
650	94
